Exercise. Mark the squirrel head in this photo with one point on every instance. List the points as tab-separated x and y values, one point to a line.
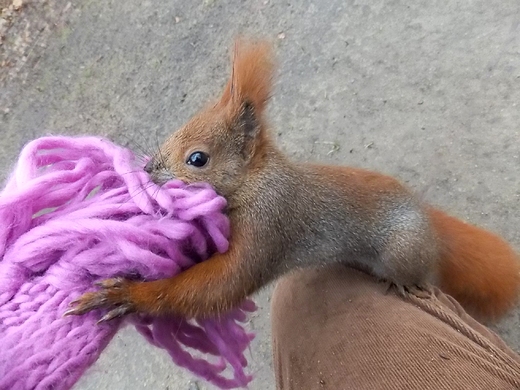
225	142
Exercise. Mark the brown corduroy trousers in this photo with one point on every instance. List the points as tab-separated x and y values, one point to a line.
340	329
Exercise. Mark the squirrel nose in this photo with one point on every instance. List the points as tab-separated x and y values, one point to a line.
148	168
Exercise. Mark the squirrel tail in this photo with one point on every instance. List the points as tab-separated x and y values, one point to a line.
477	268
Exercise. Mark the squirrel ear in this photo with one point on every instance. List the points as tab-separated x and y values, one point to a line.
248	125
251	77
247	121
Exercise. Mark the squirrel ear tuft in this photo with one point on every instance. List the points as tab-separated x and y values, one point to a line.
251	77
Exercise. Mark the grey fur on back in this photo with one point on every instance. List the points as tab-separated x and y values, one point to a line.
310	221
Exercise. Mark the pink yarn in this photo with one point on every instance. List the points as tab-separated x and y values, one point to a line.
79	210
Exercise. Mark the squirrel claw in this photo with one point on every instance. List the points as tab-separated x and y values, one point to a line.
119	311
113	294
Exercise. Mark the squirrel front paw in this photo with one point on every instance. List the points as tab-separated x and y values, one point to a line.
114	295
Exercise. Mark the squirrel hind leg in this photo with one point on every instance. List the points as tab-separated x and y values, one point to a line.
410	253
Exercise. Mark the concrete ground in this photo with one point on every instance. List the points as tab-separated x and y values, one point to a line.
428	91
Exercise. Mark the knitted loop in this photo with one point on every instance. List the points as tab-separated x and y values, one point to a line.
78	210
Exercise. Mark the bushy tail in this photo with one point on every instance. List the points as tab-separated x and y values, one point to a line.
479	269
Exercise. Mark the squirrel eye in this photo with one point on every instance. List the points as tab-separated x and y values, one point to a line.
198	159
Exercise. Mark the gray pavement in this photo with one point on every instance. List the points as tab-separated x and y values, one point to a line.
428	91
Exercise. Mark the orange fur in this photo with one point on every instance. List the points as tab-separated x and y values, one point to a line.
251	77
477	268
202	291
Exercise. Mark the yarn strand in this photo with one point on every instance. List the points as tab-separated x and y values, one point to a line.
78	210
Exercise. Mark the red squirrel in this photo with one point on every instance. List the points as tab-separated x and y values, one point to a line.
286	215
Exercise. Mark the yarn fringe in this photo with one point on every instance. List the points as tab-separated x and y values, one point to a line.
79	210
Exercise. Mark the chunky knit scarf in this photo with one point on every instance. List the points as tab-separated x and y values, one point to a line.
79	210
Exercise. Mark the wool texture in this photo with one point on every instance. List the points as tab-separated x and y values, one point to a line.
80	210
